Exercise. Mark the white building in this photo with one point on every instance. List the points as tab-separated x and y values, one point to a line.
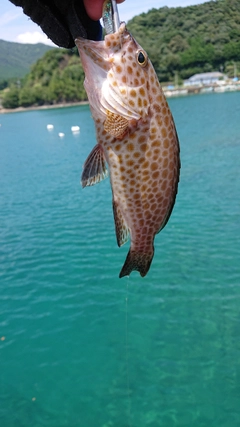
205	79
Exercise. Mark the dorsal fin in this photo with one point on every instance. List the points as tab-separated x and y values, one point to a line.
94	168
121	227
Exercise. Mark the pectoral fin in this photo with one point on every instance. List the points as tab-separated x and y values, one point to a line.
116	125
121	228
94	168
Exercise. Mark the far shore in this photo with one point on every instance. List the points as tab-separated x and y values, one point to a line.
173	92
42	107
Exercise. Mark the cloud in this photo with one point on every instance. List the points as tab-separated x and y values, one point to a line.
33	38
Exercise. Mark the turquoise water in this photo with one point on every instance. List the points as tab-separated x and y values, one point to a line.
64	314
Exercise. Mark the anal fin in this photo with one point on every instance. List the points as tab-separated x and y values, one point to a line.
121	228
94	168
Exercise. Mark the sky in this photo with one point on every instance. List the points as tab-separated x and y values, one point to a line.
17	27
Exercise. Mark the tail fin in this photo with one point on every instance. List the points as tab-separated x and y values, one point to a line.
137	261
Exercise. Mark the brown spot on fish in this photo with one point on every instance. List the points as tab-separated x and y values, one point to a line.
165	163
164	133
141	160
129	70
159	121
166	120
145	103
164	173
156	143
141	140
130	146
164	185
157	107
166	143
118	69
140	103
154	166
159	99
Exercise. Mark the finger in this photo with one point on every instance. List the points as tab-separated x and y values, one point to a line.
94	8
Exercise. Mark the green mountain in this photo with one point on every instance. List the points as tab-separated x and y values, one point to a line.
55	78
182	41
16	58
192	39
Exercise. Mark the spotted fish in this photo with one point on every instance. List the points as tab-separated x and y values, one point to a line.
136	138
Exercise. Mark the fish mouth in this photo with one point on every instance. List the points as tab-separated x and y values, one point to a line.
93	56
106	91
101	52
96	65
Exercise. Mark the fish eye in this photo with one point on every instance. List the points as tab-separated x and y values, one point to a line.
142	58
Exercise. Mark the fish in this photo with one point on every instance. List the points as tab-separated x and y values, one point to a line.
137	142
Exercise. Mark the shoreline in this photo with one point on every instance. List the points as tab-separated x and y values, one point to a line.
169	93
195	90
42	107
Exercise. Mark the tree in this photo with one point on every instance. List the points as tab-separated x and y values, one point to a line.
11	98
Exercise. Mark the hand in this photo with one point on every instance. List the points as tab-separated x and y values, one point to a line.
94	8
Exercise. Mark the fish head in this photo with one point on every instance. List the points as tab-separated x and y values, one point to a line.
116	74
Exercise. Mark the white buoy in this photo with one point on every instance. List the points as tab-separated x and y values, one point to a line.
75	129
50	127
61	134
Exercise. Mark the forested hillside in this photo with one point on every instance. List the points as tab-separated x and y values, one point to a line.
191	39
16	58
181	41
55	78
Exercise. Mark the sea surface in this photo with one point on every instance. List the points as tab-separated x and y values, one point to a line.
78	346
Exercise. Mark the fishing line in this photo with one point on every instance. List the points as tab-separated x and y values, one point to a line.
129	412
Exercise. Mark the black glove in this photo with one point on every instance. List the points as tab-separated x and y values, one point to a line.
61	20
